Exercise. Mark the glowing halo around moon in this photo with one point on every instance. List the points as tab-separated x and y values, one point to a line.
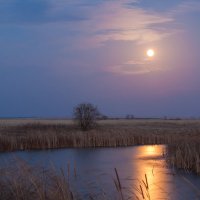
150	53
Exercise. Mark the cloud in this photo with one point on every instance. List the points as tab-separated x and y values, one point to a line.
114	21
134	67
93	22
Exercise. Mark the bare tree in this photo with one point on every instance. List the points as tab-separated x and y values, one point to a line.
85	115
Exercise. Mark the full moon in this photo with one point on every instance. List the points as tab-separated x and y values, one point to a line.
150	53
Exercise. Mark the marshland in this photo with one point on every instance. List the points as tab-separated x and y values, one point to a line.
155	152
99	100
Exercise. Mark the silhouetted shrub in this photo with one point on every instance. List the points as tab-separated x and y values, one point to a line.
85	116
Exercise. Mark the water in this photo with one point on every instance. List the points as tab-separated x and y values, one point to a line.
95	170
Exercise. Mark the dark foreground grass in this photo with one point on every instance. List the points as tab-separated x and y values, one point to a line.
23	182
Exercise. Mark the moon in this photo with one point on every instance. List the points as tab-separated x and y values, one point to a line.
150	52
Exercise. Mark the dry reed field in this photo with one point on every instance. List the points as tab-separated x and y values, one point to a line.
181	136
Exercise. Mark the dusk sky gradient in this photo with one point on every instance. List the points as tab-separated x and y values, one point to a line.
55	54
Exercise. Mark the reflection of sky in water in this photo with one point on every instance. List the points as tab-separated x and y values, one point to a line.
95	170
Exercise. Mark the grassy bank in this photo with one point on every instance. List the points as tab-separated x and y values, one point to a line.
49	134
23	182
185	154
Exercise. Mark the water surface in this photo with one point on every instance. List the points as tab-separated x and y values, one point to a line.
95	170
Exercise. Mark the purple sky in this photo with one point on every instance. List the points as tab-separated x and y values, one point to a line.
55	54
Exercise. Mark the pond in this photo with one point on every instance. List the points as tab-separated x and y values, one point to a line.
94	170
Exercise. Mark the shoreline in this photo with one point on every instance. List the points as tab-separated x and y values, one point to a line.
182	137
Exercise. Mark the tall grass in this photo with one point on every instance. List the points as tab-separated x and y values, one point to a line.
185	155
141	189
108	134
23	182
